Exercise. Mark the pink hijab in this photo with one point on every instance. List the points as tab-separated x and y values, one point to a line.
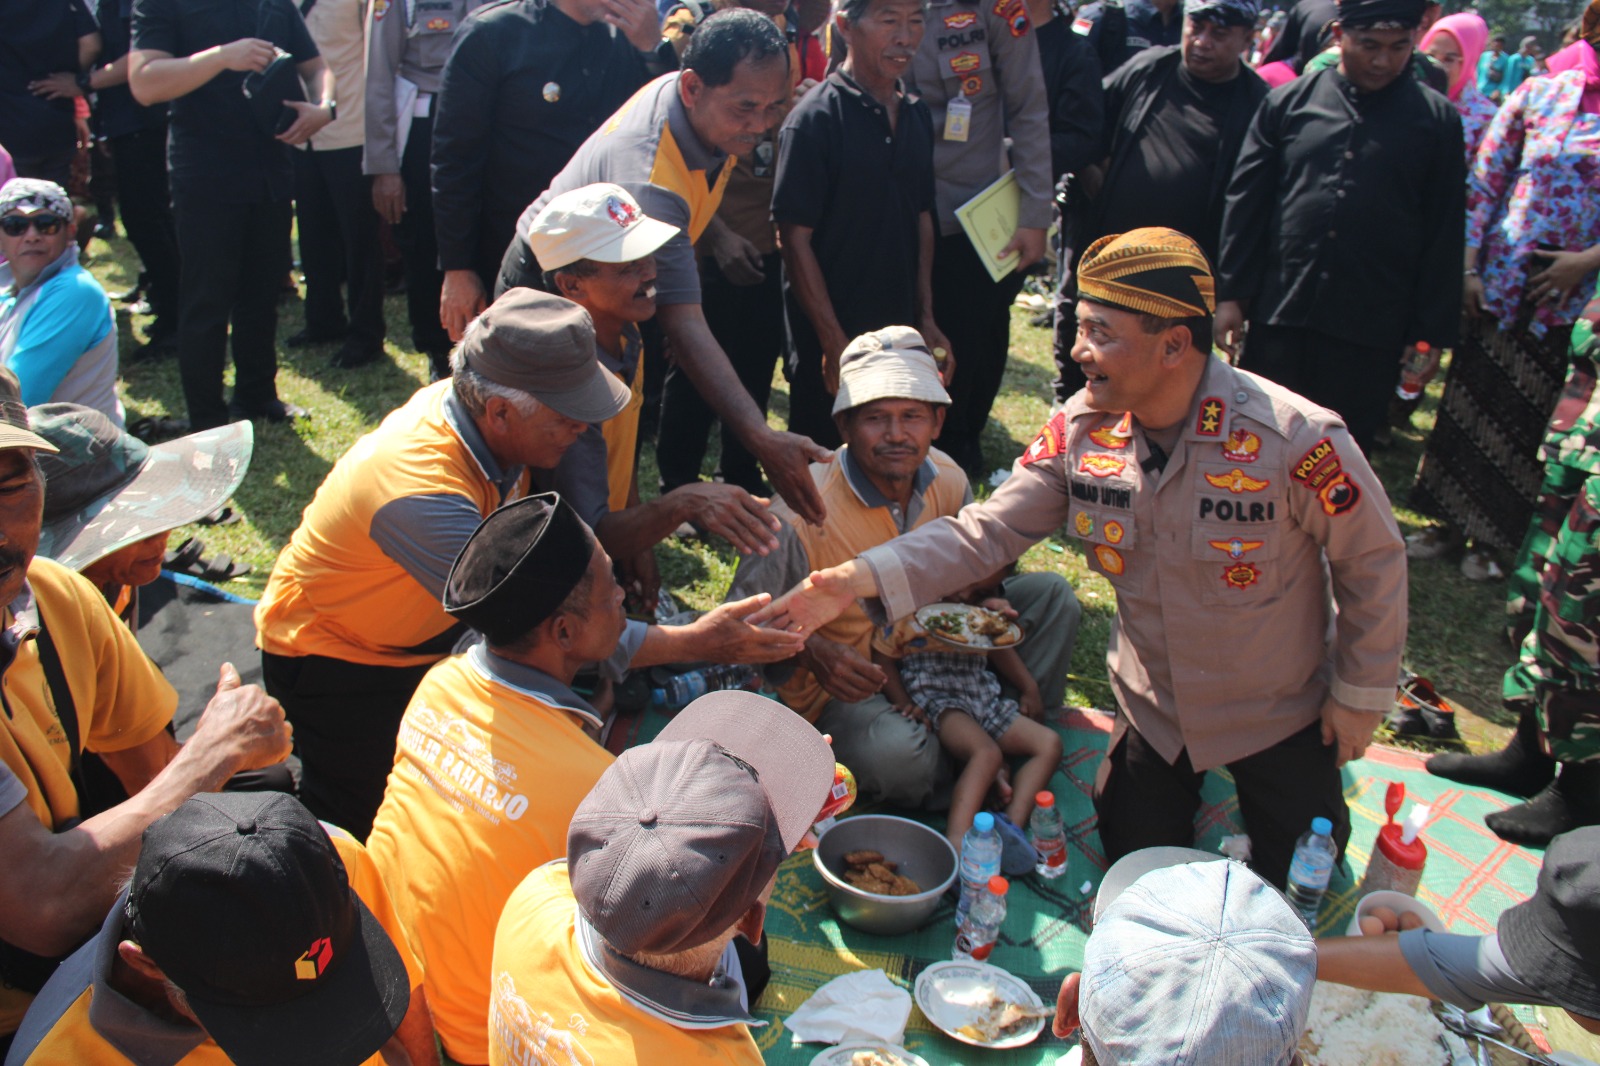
1580	55
1472	34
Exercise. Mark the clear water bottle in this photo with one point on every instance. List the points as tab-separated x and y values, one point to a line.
1411	370
1049	839
1311	868
980	860
682	689
977	935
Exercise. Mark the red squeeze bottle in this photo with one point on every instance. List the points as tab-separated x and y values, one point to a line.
1400	855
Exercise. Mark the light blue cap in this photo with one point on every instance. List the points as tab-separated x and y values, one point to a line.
983	822
1322	827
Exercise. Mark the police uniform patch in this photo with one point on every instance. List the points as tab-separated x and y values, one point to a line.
1242	446
1236	547
1015	14
960	20
1320	470
1237	481
1209	422
1110	559
1113	532
972	85
1083	524
1099	465
1108	437
438	24
1047	445
380	8
1240	575
965	62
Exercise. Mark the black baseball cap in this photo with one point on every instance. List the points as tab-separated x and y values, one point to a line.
243	902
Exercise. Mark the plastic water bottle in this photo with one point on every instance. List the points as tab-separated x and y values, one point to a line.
1047	837
977	935
682	689
980	860
1410	386
1311	868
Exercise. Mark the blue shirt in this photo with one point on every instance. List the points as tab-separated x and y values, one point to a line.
1489	63
1518	69
70	315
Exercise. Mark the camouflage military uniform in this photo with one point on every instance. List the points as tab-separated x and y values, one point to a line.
1571	454
1560	666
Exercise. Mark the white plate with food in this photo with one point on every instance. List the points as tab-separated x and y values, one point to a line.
962	625
981	1005
868	1055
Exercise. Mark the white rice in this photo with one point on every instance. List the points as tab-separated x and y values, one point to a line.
1349	1027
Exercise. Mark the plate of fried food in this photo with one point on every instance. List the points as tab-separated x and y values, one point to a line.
980	1004
962	625
869	871
868	1055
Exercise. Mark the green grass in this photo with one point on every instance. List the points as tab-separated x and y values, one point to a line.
1456	635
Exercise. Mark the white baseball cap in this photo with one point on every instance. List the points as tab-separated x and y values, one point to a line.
600	222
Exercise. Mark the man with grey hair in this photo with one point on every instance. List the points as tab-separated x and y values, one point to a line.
351	618
1230	963
672	854
888	479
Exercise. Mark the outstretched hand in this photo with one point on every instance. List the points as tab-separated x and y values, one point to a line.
787	458
728	634
812	604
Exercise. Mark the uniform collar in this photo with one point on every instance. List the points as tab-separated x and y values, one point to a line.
1220	391
678	1001
531	681
146	1039
462	425
696	154
849	86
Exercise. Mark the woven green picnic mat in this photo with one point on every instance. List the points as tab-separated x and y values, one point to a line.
1470	878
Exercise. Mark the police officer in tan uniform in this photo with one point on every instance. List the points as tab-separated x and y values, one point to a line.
1260	577
407	44
978	71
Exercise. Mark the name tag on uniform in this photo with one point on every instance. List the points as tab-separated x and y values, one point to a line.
957	119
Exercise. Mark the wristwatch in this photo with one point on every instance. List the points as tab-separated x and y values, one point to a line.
333	109
82	78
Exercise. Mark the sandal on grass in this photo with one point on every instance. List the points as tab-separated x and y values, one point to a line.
187	558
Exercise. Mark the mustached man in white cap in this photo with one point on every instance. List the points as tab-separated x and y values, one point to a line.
597	247
888	479
1194	959
625	952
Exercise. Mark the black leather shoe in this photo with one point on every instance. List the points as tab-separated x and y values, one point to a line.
276	411
354	353
305	338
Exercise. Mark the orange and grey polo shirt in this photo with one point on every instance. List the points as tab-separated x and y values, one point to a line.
649	148
362	577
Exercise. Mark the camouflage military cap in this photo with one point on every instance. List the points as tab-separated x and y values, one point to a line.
106	489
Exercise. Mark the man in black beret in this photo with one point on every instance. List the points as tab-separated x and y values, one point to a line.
496	749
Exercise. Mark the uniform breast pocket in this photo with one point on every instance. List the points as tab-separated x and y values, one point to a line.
1235	565
963	50
1110	539
433	17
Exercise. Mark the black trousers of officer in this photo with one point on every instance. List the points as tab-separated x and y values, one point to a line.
1355	380
145	200
747	320
234	258
346	717
420	246
1145	802
339	246
975	314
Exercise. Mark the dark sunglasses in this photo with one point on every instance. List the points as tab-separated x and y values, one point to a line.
17	225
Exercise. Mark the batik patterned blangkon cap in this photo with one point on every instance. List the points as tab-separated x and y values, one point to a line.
1151	271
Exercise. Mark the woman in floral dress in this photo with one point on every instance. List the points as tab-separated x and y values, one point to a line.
1455	42
1532	256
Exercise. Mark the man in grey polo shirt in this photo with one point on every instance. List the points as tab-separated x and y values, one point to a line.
670	147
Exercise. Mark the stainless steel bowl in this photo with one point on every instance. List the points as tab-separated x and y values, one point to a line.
922	854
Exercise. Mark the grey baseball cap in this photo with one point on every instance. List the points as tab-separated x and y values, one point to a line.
1221	951
544	346
680	836
892	363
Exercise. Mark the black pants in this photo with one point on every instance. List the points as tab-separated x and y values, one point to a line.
1145	802
747	321
234	259
420	247
146	203
339	246
49	166
346	717
1352	379
975	314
